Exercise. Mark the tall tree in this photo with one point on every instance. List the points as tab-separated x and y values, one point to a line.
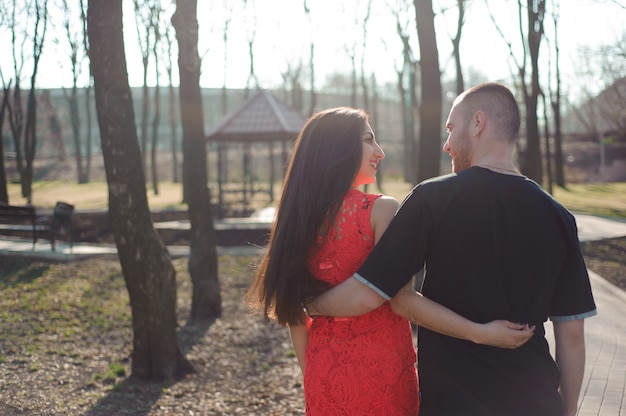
15	110
206	297
312	89
88	105
172	106
6	89
430	105
251	20
406	72
146	265
364	86
40	10
456	47
76	44
145	20
555	102
530	155
156	117
530	163
27	23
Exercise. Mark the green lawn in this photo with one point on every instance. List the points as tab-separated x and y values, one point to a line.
604	199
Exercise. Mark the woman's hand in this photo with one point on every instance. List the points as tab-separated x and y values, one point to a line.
504	334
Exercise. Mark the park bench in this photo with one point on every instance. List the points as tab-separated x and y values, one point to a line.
21	220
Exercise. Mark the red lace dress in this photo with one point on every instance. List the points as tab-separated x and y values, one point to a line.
363	365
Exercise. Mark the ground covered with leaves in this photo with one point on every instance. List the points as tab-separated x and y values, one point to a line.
65	342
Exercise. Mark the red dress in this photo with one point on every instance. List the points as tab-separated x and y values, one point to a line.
363	365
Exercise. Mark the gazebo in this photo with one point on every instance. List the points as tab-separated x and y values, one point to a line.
261	119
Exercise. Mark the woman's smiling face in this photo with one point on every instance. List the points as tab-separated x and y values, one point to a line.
372	154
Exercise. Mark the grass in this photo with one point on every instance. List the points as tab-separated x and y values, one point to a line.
93	195
603	199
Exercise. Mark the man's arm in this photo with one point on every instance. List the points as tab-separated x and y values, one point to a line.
352	298
569	338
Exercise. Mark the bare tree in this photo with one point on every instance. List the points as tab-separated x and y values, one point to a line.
555	102
27	24
292	86
145	21
156	116
456	45
40	12
6	90
530	155
406	72
172	102
88	150
430	106
75	39
228	5
364	86
530	163
206	297
251	36
146	265
312	91
54	125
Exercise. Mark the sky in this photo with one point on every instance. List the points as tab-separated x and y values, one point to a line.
282	35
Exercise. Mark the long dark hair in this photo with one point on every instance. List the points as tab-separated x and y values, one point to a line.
325	160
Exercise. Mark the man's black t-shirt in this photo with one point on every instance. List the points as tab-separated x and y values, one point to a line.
493	246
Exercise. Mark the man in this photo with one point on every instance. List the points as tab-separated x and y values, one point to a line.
494	245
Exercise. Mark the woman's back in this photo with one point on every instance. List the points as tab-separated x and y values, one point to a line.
361	365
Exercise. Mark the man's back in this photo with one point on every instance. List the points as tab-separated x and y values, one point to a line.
500	248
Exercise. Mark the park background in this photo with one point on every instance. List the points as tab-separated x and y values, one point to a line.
68	329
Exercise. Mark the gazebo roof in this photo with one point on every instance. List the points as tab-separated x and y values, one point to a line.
261	118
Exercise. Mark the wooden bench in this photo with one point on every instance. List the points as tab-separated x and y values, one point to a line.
20	220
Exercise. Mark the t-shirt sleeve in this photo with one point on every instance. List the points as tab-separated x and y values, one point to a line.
573	298
401	251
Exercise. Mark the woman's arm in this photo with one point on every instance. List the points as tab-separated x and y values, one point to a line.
299	339
382	213
429	314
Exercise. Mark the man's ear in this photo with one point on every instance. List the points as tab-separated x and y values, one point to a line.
478	123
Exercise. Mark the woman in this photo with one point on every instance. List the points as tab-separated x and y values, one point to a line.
324	229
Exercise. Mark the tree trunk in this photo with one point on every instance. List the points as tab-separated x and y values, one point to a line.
206	298
89	141
456	45
16	121
156	117
75	119
146	265
173	129
30	141
4	194
30	129
546	131
555	100
532	166
430	107
172	110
